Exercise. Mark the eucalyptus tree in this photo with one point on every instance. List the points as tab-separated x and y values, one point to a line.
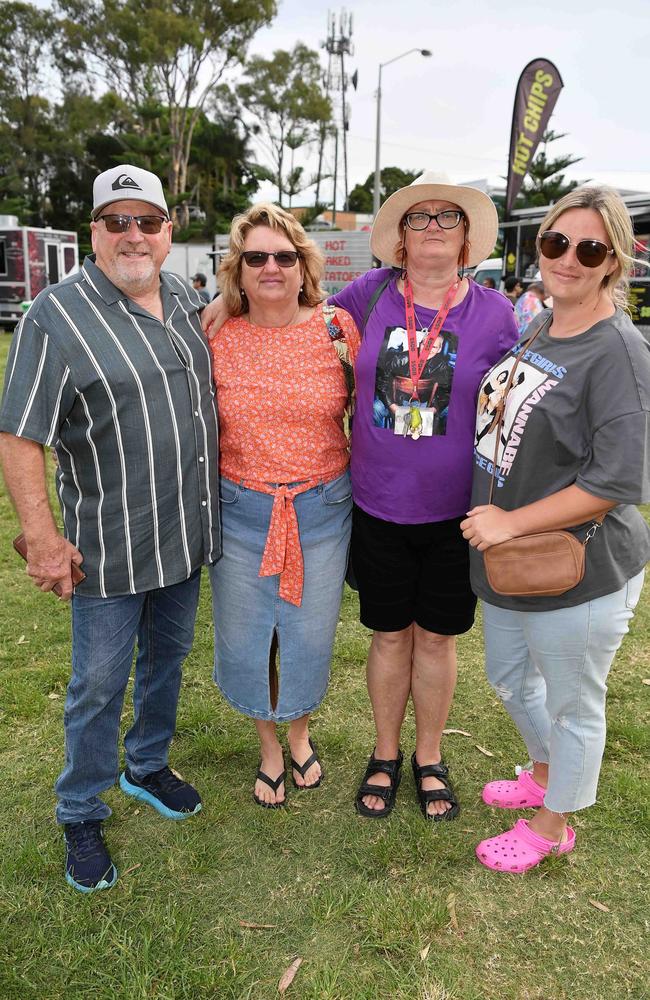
284	96
167	54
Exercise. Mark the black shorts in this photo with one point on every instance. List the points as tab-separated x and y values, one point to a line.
412	573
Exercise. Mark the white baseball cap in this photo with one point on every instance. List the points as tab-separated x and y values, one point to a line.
127	182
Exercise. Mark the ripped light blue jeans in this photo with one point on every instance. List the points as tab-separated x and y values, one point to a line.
549	668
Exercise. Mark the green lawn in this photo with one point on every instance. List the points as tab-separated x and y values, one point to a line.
395	909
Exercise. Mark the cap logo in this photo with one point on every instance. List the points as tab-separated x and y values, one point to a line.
124	181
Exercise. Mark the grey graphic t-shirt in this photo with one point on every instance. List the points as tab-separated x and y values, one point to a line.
577	412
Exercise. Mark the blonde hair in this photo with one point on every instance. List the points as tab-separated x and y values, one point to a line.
311	258
618	226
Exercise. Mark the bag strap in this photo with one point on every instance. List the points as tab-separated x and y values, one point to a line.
501	408
340	344
374	299
501	405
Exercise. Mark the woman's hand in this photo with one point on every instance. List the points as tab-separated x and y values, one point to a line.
487	525
213	317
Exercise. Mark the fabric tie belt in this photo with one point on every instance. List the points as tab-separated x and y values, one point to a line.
282	551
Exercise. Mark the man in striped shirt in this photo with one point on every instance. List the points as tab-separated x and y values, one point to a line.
111	368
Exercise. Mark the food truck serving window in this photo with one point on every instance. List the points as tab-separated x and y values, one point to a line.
3	255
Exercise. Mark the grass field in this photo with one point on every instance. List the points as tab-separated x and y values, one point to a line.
397	909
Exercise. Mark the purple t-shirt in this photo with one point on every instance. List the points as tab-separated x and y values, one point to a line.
397	478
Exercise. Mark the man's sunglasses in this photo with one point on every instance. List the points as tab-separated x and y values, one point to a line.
590	253
148	224
448	219
258	258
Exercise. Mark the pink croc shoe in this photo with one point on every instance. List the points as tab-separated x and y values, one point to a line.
523	793
521	848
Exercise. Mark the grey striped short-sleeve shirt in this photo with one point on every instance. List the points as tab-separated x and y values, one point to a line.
129	405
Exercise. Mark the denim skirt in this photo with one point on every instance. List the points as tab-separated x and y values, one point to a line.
248	610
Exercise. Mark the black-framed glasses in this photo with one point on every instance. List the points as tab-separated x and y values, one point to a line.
258	258
148	224
448	219
590	253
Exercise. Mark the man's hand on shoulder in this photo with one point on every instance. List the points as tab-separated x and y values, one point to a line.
213	317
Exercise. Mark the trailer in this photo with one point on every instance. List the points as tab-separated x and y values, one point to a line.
30	260
185	259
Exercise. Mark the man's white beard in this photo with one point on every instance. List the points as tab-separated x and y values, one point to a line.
134	281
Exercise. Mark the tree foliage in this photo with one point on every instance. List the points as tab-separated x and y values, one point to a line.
284	96
544	183
391	180
163	58
25	121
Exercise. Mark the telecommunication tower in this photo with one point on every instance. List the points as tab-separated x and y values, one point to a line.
338	45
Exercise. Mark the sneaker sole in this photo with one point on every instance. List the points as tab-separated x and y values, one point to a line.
144	796
86	888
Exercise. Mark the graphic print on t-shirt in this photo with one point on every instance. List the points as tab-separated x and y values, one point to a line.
393	386
529	386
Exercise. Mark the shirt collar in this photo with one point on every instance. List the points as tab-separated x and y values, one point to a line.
111	294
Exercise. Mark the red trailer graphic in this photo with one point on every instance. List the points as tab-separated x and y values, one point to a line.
31	259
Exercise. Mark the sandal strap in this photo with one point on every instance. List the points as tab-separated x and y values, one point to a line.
383	792
439	771
273	785
436	795
389	767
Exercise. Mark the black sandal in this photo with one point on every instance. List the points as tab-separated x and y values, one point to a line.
303	768
446	794
273	785
388	793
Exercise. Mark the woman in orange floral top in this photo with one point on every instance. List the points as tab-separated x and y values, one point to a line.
282	367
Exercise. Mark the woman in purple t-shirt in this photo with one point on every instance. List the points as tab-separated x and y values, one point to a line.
430	335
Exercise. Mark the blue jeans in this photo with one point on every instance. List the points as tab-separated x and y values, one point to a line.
104	633
549	668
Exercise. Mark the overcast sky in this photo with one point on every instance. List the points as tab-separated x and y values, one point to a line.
453	112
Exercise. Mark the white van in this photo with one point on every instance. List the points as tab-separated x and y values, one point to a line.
491	268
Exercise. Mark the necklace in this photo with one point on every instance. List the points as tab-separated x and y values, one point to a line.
423	326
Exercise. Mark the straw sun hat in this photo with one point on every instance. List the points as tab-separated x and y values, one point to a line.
478	207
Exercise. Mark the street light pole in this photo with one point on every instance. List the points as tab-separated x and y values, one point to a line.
376	190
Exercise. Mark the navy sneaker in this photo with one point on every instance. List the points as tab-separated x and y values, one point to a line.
172	797
88	864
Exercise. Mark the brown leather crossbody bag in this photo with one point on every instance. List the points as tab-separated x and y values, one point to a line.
544	564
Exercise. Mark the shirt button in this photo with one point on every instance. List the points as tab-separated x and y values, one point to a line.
204	503
196	413
201	458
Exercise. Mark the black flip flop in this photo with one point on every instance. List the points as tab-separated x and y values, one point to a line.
273	785
303	768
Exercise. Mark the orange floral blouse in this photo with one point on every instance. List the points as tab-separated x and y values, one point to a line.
281	396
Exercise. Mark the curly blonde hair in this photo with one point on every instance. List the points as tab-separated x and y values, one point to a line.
618	226
311	258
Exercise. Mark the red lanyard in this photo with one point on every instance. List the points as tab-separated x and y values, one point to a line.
417	360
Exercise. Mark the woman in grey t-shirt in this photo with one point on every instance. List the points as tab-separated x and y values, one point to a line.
573	448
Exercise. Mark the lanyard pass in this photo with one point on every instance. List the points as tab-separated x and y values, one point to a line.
418	359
